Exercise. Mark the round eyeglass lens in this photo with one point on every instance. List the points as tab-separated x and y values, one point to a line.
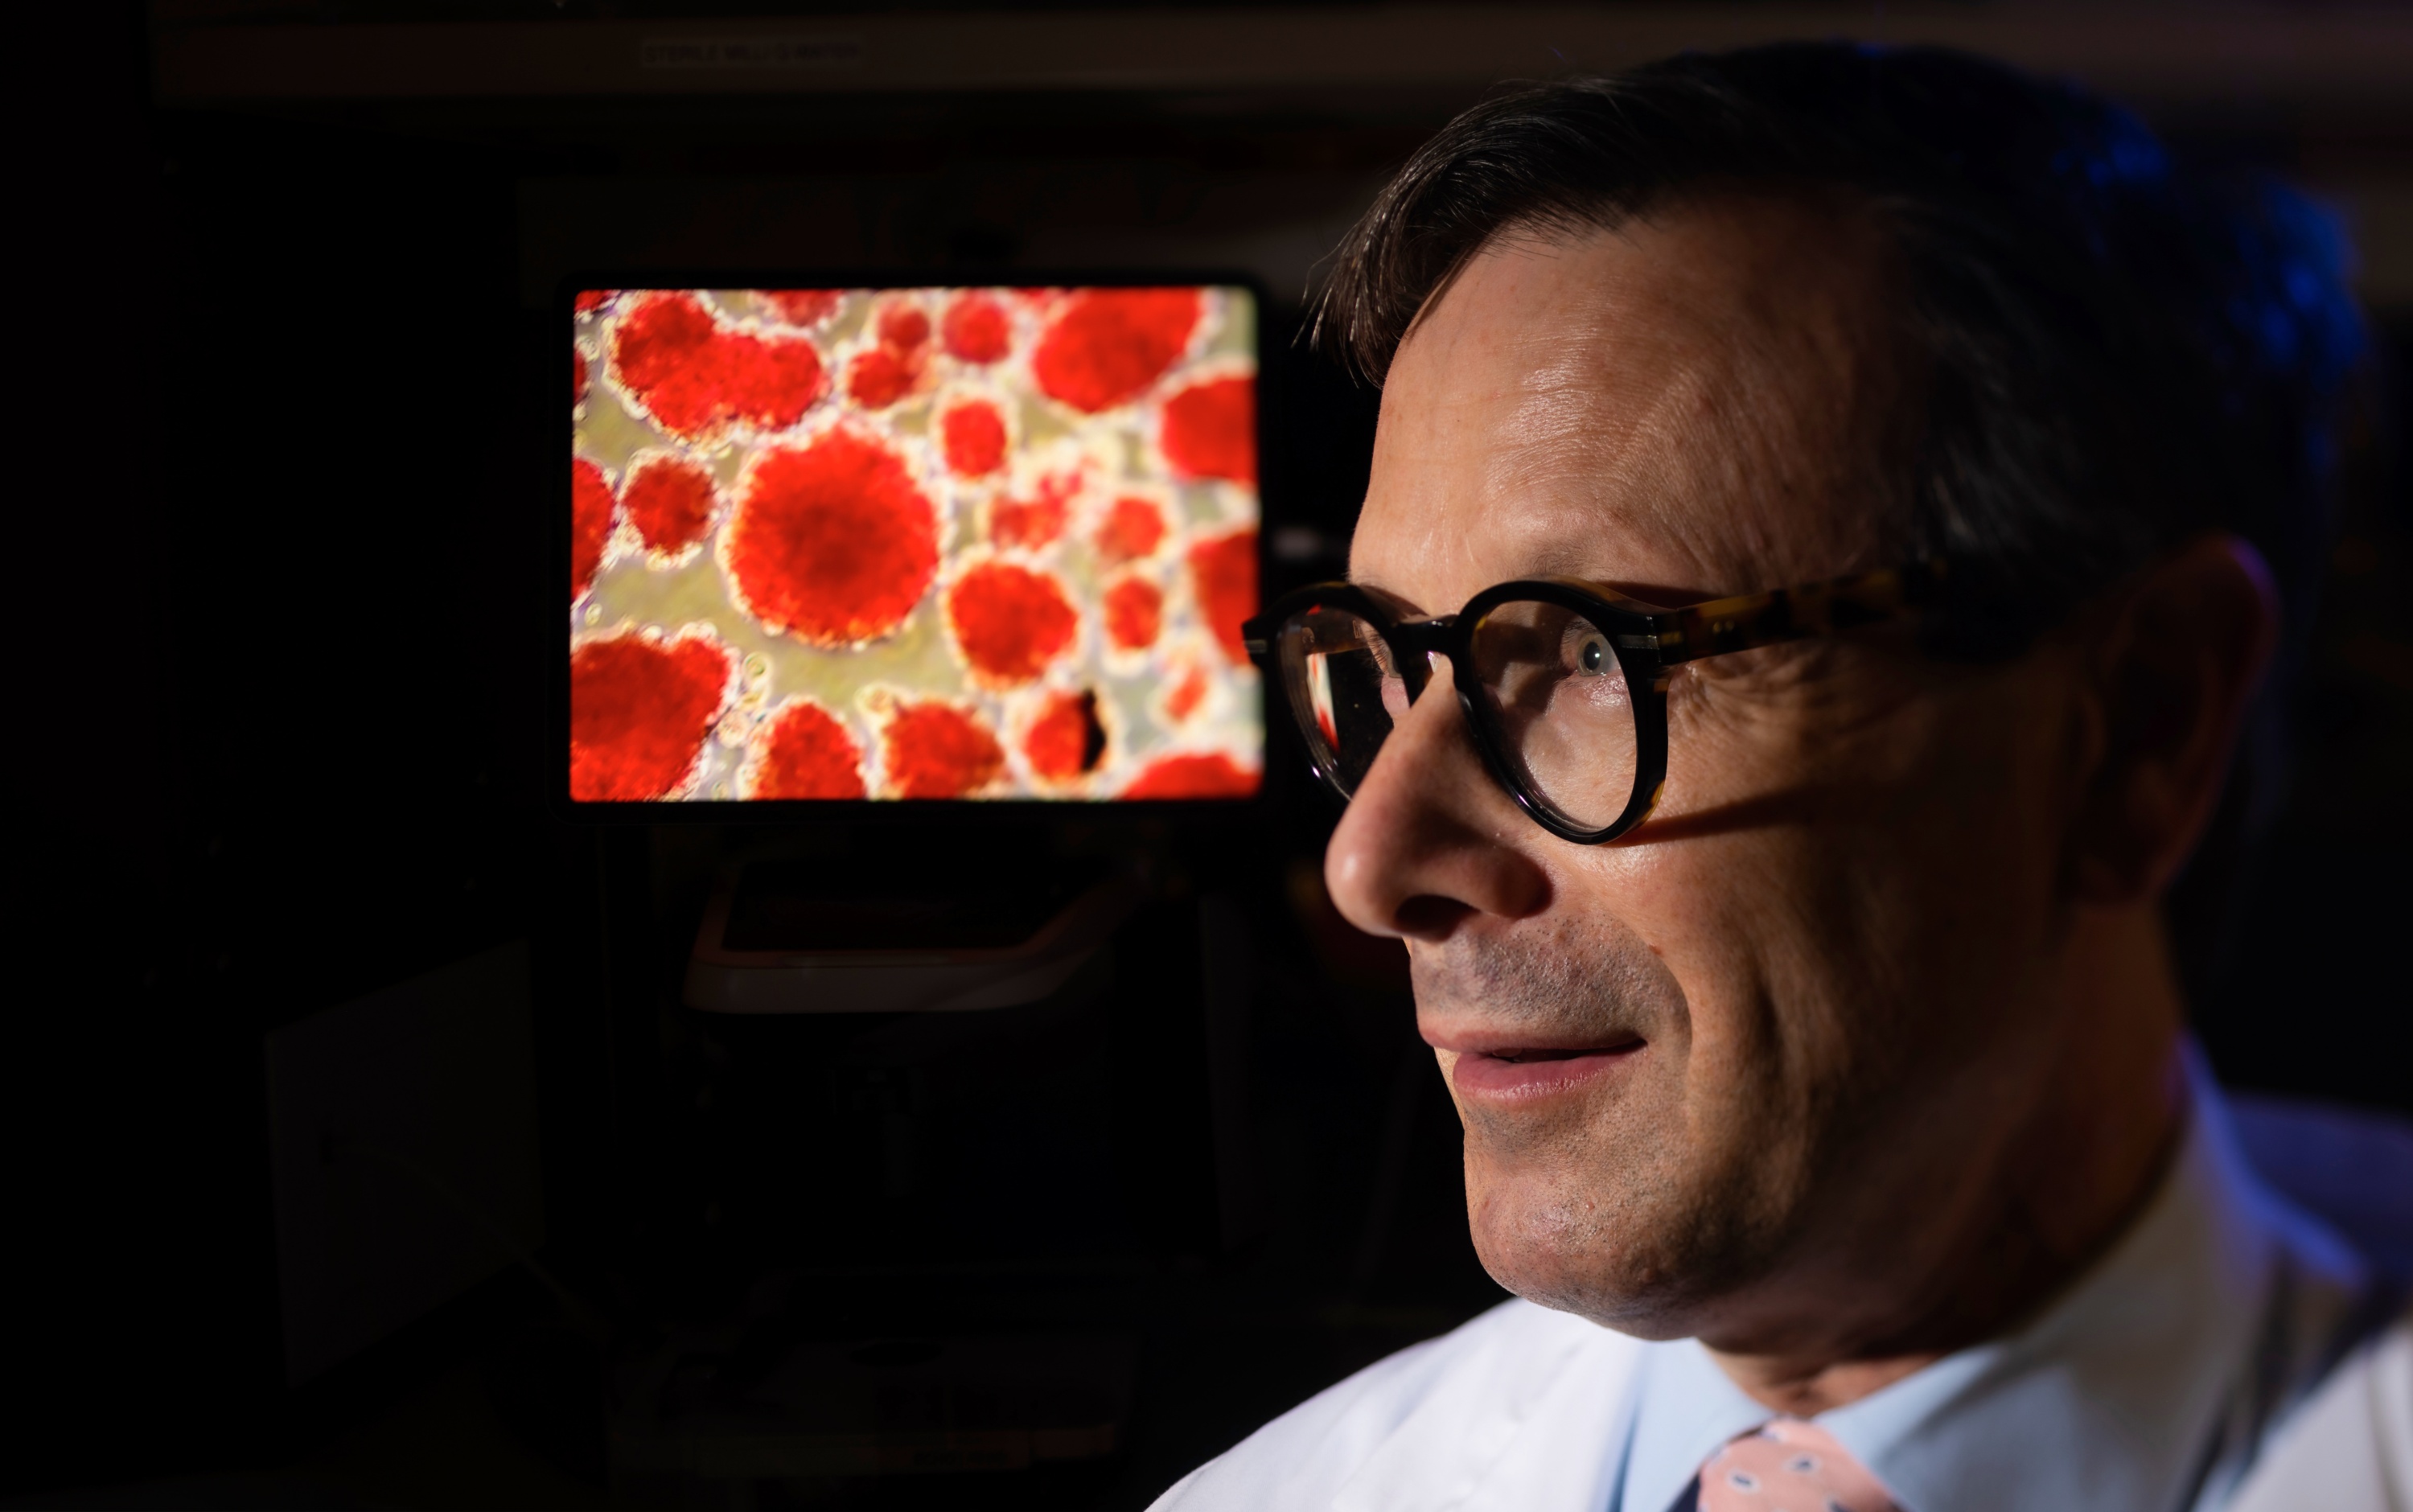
1559	708
1343	689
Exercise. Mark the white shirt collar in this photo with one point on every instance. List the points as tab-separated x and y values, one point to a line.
2120	1398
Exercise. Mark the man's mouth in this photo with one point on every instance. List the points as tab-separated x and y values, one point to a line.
1522	1073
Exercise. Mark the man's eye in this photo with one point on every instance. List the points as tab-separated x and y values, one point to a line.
1594	656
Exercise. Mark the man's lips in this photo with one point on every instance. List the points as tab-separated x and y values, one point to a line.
1492	1071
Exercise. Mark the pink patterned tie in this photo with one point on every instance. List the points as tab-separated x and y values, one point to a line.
1788	1465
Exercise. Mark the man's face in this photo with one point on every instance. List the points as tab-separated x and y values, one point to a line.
1753	1047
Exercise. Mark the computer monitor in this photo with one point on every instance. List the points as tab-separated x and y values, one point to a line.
849	544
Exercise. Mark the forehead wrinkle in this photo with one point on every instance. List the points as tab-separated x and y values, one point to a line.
1616	419
1714	387
1781	443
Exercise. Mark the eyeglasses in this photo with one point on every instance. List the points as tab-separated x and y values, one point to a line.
1564	686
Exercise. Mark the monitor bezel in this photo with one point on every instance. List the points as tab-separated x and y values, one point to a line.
1013	812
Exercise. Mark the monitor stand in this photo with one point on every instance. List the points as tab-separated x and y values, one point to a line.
886	935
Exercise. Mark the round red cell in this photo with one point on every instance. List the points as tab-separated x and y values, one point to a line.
904	328
803	306
694	375
639	713
1010	621
879	377
1029	523
973	437
1066	739
831	542
589	299
1191	691
1224	568
1207	775
1106	346
1210	430
938	750
1135	610
975	329
668	500
806	753
590	524
1132	528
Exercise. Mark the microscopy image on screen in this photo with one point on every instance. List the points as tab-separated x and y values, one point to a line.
834	543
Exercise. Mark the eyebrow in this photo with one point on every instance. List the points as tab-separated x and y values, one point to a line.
1372	584
1687	632
1746	621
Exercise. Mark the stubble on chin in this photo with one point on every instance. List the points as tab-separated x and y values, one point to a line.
1605	1204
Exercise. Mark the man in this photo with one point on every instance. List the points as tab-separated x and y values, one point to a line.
1799	966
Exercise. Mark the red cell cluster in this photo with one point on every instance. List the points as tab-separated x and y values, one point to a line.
669	499
879	377
804	306
892	369
1203	775
590	524
640	711
1010	621
938	750
1106	347
1134	613
1035	522
695	375
1224	570
1132	528
834	541
1209	430
975	329
972	435
805	752
1011	452
1066	741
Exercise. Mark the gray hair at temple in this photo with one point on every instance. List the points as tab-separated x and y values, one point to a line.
2122	351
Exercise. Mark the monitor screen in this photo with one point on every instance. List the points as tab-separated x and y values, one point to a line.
833	545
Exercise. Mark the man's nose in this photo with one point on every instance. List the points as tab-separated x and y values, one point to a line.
1429	840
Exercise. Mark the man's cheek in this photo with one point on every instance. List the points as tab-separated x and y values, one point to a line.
1723	929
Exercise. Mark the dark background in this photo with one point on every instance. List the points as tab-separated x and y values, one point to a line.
278	728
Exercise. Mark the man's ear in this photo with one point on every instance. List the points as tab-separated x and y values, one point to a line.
2176	667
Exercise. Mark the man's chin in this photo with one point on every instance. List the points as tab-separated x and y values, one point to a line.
1647	1254
1645	1312
1574	1256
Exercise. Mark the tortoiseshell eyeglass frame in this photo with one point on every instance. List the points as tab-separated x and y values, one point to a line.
1650	642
